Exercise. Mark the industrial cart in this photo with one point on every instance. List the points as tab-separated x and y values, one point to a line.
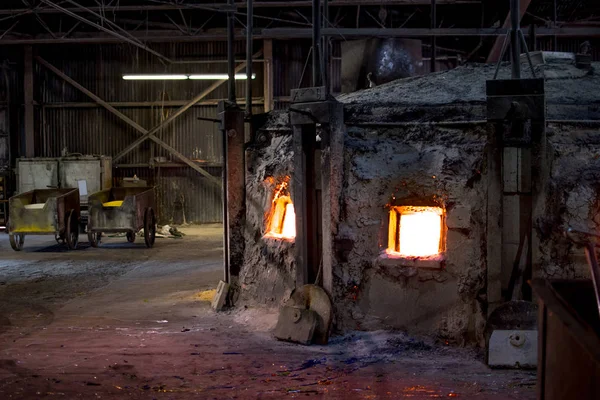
45	212
124	209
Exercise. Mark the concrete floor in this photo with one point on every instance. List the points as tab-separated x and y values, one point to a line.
123	321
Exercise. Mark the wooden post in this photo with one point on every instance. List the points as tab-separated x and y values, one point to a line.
28	147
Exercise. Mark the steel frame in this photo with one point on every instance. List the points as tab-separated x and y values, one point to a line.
147	134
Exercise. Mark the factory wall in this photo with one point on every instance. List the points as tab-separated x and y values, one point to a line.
67	119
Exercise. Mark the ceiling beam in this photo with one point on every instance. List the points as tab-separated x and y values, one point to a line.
295	33
239	5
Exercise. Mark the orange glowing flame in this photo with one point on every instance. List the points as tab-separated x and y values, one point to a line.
415	231
282	223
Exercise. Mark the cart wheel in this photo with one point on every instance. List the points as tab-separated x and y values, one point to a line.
72	230
94	238
16	241
149	227
131	237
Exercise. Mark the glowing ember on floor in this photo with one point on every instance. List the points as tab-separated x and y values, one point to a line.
415	231
282	222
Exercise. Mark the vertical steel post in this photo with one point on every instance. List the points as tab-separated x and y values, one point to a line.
325	49
515	44
554	19
316	42
433	57
27	145
249	51
230	53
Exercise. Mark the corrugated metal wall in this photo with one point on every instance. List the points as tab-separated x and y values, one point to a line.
68	120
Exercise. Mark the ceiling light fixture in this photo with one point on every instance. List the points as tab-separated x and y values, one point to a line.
155	77
219	77
206	77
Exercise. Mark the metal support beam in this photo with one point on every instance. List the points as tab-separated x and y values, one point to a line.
203	94
147	134
234	189
297	33
268	74
515	39
239	5
316	43
249	51
325	50
433	60
496	50
230	54
127	39
28	148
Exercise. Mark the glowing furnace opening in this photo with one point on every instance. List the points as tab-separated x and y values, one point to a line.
416	231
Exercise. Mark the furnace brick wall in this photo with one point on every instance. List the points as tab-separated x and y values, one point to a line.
572	198
421	162
268	273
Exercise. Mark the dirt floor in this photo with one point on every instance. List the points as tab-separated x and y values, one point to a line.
123	321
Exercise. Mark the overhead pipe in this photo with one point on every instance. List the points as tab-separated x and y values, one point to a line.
231	54
249	51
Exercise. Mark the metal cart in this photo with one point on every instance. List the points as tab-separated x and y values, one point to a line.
45	212
125	209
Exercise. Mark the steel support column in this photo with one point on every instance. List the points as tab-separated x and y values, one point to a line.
234	189
433	60
28	145
316	43
146	134
249	51
268	74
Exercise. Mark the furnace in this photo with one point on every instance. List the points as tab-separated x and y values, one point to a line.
412	232
416	231
282	218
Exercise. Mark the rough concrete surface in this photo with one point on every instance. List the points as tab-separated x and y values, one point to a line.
123	321
268	273
435	163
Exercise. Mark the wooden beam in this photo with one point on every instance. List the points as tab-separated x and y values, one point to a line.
494	55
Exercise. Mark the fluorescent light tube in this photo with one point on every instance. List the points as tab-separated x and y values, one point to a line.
155	77
219	77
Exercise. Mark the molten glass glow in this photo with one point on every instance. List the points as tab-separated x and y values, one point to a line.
283	219
289	222
415	231
420	233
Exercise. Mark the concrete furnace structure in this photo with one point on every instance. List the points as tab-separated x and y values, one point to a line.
425	211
